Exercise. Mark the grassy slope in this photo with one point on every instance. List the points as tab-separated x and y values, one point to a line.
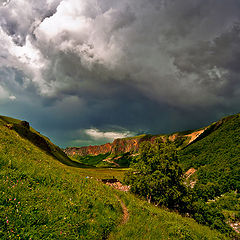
40	198
100	160
217	155
38	140
90	160
149	222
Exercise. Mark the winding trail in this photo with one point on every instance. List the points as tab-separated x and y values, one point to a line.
109	161
124	220
125	216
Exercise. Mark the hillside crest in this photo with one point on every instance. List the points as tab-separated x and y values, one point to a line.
131	145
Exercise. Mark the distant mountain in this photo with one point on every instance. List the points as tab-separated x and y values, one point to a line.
131	144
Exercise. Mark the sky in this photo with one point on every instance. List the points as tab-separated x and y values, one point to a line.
85	72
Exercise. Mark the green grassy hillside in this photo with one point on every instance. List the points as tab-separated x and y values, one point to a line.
41	198
216	157
31	135
121	160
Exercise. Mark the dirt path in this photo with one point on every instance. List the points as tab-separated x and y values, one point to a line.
108	160
125	216
124	220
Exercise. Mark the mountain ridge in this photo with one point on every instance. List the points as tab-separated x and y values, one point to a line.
131	144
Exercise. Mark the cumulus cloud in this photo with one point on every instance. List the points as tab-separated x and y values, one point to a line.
137	60
12	98
97	134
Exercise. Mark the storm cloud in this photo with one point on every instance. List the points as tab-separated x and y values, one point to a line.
115	67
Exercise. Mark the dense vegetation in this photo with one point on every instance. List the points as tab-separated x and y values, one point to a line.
40	198
157	176
230	205
216	157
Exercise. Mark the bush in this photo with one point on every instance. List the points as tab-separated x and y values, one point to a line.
156	174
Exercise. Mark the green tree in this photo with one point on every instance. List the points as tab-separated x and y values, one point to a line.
157	175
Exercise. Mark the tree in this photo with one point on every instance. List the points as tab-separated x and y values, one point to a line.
157	175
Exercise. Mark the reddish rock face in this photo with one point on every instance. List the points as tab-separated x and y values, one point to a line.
89	150
126	145
118	146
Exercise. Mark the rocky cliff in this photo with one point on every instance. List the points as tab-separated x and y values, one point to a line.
125	145
118	146
89	150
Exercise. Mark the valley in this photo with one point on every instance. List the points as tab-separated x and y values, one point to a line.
119	120
47	194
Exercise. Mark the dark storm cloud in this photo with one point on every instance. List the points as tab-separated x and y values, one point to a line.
124	66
